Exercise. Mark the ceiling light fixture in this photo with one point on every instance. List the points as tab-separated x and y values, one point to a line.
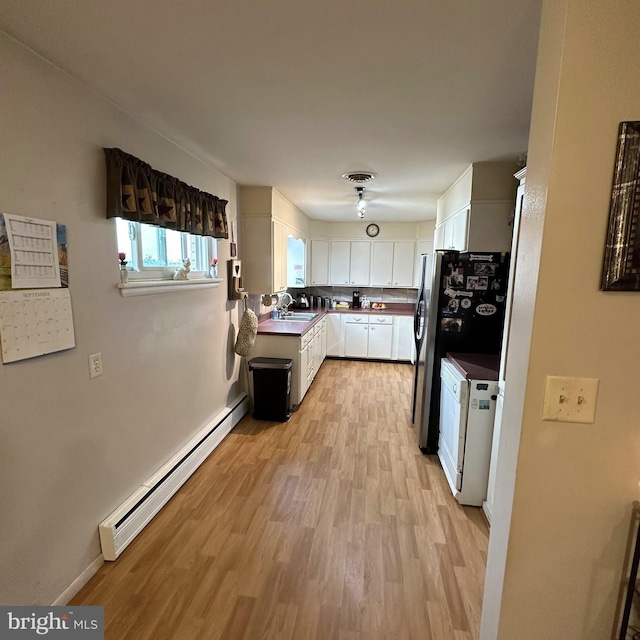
359	177
362	205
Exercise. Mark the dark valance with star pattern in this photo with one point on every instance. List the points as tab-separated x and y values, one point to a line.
139	193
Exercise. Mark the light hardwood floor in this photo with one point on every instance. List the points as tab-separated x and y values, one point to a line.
330	526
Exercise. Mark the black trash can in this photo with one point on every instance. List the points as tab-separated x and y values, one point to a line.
271	388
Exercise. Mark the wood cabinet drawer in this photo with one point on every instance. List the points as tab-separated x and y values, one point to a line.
380	319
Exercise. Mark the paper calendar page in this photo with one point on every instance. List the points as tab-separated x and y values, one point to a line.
34	252
34	323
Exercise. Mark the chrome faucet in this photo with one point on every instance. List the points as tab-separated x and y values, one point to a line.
284	306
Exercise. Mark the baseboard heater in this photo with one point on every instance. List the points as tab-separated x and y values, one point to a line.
128	520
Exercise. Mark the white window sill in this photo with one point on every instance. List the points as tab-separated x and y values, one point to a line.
151	287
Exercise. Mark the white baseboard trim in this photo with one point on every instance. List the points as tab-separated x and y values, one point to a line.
238	409
78	583
487	511
121	527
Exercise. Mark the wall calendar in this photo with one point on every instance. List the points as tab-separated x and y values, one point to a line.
35	322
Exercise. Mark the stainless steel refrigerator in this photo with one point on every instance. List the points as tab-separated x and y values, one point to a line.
460	308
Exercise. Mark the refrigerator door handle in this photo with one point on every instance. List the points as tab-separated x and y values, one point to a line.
418	320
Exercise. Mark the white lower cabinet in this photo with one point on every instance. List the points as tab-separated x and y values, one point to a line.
487	505
311	361
302	372
323	340
341	336
335	339
403	342
380	341
372	336
380	337
306	352
356	340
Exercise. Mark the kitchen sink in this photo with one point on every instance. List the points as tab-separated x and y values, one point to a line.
297	317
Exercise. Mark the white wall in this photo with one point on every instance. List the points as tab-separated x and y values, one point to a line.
425	230
72	449
357	229
564	499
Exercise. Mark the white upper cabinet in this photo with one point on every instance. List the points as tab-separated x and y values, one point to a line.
458	227
453	233
339	261
360	263
279	264
288	251
370	263
266	242
350	263
392	264
382	264
474	213
319	262
403	259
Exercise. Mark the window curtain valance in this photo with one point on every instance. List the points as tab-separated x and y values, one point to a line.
139	193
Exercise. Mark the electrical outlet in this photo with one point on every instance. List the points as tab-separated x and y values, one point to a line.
95	365
570	399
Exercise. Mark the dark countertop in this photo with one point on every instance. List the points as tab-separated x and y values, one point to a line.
392	309
284	328
476	366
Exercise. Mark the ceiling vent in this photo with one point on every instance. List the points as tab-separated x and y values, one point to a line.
359	176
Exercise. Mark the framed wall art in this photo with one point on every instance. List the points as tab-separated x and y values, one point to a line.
621	268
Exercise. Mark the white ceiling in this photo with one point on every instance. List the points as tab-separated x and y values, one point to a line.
293	93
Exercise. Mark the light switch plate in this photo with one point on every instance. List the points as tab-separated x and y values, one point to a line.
570	399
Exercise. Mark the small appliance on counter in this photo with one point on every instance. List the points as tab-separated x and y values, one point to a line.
302	302
356	300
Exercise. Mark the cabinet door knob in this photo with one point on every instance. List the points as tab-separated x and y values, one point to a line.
494	397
